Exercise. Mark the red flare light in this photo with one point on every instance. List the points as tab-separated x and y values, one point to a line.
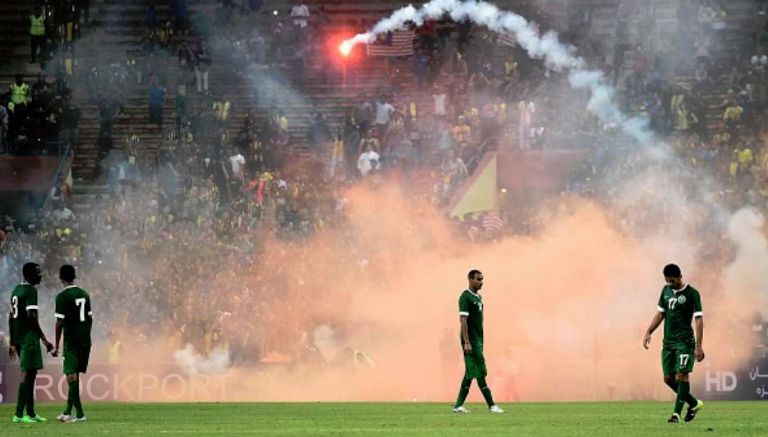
345	48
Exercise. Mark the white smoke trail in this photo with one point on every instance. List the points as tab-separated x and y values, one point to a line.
556	55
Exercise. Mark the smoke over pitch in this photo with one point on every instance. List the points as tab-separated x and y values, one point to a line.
566	307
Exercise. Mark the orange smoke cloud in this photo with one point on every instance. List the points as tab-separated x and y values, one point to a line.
566	308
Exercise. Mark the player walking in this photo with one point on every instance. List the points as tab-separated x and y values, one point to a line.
471	317
74	319
25	336
678	304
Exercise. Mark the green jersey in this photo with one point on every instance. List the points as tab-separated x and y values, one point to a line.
23	299
679	308
471	305
73	308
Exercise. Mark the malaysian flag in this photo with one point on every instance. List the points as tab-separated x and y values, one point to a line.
399	43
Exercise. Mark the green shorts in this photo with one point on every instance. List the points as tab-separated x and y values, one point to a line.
677	358
474	363
76	359
31	356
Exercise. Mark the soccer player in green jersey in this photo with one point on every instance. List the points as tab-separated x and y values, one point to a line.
679	303
25	337
471	318
74	320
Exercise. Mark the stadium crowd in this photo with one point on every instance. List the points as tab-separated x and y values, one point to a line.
210	198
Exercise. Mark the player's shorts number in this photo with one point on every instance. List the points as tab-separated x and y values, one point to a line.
81	303
14	307
684	360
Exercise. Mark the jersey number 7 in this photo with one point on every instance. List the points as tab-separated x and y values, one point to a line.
81	303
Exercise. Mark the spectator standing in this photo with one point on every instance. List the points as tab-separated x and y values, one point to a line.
237	166
156	100
150	16
368	160
300	14
108	110
36	33
439	97
202	66
384	113
525	120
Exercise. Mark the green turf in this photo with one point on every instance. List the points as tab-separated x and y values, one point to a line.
620	419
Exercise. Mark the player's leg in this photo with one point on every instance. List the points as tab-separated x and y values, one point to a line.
683	366
480	371
671	382
71	365
21	399
78	366
488	396
684	392
483	386
66	415
466	383
83	356
470	373
30	360
669	368
669	365
73	382
31	377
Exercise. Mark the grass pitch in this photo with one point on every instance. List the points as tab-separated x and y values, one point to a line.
621	419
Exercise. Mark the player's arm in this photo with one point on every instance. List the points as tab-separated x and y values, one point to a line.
31	310
11	347
655	322
463	315
698	322
59	323
32	316
699	351
59	313
465	334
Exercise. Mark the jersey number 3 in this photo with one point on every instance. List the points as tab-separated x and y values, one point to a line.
14	307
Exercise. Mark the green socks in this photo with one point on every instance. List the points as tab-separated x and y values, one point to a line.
74	398
683	393
689	399
485	391
463	392
21	401
68	409
31	399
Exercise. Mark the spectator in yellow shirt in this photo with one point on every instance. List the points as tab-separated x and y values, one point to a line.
461	131
732	113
